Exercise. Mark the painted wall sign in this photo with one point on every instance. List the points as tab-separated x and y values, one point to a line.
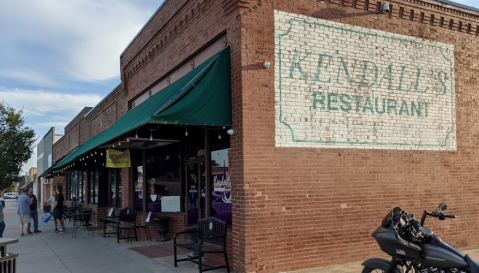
342	86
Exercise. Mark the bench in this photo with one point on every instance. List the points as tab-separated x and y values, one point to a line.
210	238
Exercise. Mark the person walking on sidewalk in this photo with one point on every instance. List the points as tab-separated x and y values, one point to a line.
58	211
24	202
51	200
33	213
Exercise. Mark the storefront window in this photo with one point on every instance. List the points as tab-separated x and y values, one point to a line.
76	186
221	185
115	190
138	195
163	183
94	187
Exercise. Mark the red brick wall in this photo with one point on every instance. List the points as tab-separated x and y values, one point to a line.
82	128
163	44
291	214
127	193
75	121
287	211
176	224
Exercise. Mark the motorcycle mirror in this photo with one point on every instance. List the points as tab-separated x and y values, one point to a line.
442	206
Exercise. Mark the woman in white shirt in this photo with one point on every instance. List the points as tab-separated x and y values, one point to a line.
51	200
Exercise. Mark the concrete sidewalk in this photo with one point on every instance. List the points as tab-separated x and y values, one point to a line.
48	252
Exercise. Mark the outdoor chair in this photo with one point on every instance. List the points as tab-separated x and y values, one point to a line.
110	222
146	227
102	222
68	212
126	224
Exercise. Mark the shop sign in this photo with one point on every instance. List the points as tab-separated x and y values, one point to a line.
342	86
117	159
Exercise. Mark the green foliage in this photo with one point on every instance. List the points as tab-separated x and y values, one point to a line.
16	144
12	188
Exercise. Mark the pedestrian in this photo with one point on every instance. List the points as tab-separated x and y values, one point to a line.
33	213
2	220
58	211
51	200
24	202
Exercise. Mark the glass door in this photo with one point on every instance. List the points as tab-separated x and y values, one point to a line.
196	192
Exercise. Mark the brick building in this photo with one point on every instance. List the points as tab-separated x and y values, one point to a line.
358	111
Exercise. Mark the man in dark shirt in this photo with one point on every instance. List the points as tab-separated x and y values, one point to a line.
33	213
58	212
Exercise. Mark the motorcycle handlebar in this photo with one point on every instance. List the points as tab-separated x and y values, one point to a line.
439	215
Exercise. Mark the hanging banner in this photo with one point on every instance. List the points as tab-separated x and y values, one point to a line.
117	159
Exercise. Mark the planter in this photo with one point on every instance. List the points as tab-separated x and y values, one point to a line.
193	240
162	223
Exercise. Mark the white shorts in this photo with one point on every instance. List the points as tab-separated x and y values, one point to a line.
24	219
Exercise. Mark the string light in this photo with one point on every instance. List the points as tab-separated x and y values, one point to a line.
136	135
95	151
186	131
101	153
127	138
219	133
151	135
119	142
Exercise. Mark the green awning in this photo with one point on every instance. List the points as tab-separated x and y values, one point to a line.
201	97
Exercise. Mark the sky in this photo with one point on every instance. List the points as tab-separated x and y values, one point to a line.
58	56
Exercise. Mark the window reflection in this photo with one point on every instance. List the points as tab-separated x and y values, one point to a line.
138	194
221	185
163	183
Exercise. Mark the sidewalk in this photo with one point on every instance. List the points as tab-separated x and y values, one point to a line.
60	253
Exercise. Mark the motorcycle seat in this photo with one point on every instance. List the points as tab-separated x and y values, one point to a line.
473	264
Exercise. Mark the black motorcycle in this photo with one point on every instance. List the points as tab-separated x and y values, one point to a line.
414	248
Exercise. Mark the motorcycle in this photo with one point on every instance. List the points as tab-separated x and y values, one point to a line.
414	248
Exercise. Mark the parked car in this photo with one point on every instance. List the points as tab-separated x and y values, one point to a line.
10	195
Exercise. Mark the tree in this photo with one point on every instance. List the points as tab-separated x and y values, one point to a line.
11	188
16	144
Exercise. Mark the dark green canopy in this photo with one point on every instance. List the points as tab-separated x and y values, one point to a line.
201	97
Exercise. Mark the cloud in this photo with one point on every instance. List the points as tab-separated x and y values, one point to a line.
25	75
67	40
53	105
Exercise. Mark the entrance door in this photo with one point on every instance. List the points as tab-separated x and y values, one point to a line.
196	192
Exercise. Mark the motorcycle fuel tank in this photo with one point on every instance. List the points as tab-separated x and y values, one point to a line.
441	255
